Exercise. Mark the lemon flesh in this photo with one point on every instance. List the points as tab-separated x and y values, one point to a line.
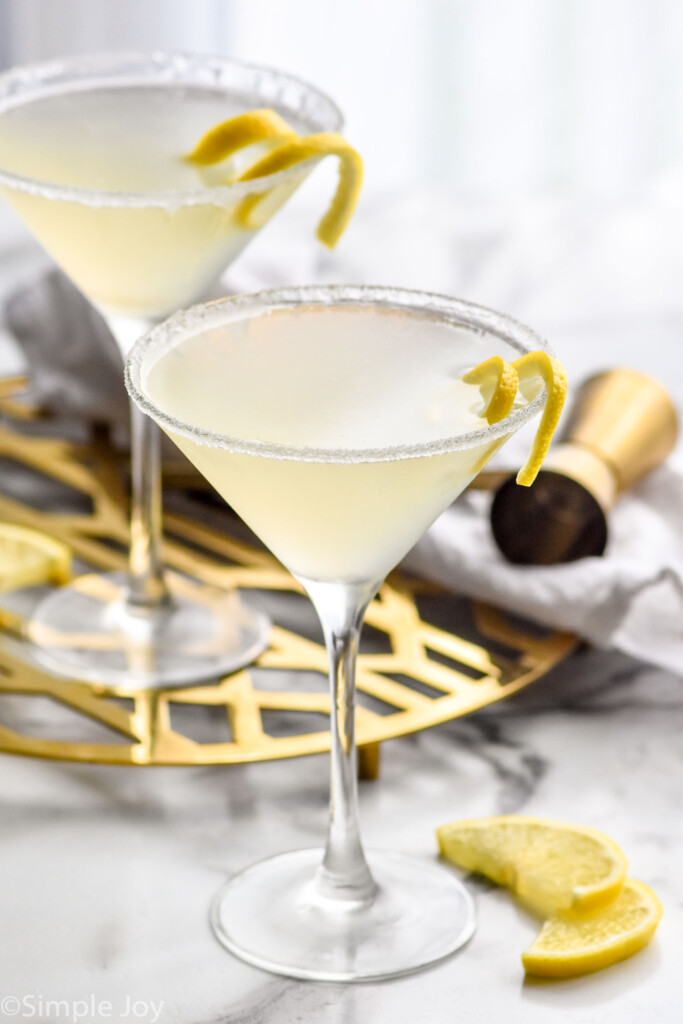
28	558
550	865
573	943
498	382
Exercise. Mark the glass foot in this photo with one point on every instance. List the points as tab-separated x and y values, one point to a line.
272	916
87	631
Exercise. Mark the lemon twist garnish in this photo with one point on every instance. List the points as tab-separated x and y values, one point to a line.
333	224
28	558
499	378
551	371
575	943
237	133
500	382
266	125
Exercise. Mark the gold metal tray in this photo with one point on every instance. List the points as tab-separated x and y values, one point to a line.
414	669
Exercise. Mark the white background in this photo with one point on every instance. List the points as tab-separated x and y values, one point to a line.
480	95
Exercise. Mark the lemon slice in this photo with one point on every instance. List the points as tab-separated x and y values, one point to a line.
528	367
333	224
498	382
552	866
573	943
238	132
28	557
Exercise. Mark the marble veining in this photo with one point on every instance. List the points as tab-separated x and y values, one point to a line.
106	874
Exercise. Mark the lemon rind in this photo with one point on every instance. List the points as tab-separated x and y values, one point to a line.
496	369
226	138
236	133
554	379
295	151
558	964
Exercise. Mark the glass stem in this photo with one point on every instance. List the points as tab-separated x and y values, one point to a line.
147	588
344	873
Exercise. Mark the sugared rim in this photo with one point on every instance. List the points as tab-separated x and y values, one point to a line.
266	86
185	324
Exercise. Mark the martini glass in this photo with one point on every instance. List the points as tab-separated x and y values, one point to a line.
335	421
90	157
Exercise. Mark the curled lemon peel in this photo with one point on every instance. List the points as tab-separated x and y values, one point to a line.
503	377
551	371
237	133
295	151
290	149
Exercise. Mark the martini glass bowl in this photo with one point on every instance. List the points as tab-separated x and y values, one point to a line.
335	362
138	253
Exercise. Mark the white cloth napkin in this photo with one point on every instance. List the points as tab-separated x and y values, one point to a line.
630	598
74	367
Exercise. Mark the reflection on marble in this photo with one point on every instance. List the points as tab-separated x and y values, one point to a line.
106	874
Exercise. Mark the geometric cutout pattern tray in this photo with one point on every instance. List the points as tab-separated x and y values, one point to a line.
426	656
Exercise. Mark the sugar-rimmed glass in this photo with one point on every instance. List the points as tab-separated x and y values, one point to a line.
138	630
337	914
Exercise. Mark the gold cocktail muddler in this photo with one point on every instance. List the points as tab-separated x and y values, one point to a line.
621	426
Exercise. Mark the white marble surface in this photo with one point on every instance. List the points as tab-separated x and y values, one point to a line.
106	874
